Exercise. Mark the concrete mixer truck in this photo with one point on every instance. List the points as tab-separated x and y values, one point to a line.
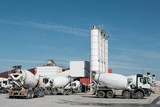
4	85
26	85
110	85
60	85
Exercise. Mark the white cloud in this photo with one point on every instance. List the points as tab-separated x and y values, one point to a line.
20	61
132	67
134	61
54	27
151	54
137	52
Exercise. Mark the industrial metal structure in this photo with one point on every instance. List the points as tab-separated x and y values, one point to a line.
49	69
79	69
99	50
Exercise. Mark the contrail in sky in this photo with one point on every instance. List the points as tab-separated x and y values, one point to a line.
54	27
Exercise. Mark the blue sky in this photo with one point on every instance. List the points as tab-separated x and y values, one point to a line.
32	31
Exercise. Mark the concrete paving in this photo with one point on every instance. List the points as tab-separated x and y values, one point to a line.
79	100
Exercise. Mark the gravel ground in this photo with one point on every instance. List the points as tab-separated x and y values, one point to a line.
78	100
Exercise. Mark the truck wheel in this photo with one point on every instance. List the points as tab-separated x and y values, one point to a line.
109	94
47	92
139	95
101	94
64	92
31	94
149	93
28	95
41	93
126	95
69	92
54	92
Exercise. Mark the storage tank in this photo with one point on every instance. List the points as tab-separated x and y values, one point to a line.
94	63
99	50
103	53
111	80
106	53
27	79
60	81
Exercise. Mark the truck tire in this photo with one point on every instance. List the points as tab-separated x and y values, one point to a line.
41	93
109	94
101	94
47	92
149	93
126	94
69	92
139	95
28	95
31	94
54	92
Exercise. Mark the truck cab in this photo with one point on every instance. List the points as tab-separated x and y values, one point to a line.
139	85
4	85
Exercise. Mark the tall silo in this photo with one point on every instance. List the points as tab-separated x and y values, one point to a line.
103	53
99	50
106	53
95	46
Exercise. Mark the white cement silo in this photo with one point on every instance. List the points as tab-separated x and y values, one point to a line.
106	53
94	56
99	50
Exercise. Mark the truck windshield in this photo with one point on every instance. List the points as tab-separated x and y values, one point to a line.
45	80
5	82
143	80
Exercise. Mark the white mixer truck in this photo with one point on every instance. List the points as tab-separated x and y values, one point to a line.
110	84
60	85
4	85
25	84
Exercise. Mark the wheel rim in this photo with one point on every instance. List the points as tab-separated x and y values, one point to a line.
127	94
101	94
110	94
139	95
